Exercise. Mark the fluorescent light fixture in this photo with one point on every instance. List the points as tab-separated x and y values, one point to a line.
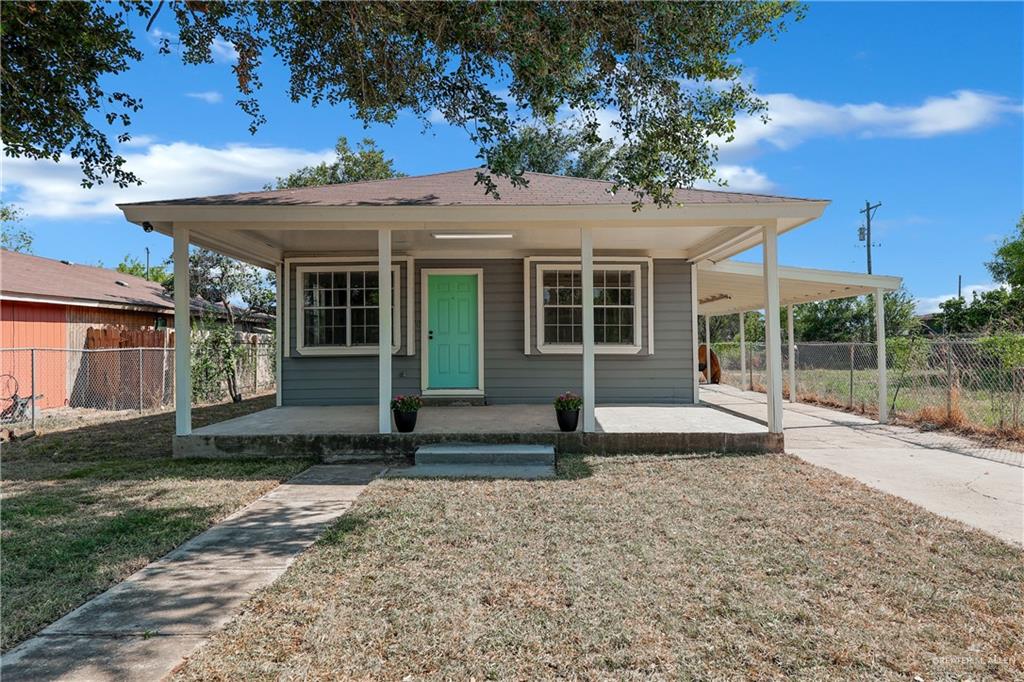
473	235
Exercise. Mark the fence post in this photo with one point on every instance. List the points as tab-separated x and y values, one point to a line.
255	368
850	401
141	407
32	396
949	380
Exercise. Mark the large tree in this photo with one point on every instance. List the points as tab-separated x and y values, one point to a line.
367	162
1007	264
559	148
664	72
1001	309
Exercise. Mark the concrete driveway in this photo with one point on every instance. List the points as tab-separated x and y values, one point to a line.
946	474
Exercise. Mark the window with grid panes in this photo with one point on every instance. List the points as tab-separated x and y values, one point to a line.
616	310
340	308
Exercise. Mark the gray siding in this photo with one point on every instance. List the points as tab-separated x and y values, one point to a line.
510	376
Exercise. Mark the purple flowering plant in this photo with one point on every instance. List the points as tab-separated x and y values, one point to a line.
406	403
568	401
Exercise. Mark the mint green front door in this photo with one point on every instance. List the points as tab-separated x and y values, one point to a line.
452	341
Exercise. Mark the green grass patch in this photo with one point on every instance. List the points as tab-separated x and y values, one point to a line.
83	509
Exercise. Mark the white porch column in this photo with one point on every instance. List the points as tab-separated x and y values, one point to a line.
694	333
182	336
587	273
773	340
707	335
883	379
743	352
279	328
384	318
792	354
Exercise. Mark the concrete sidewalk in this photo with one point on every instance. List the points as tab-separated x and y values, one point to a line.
142	628
944	473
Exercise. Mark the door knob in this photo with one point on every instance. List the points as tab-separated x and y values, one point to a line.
430	334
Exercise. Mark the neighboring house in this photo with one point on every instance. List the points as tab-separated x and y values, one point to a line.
50	304
489	296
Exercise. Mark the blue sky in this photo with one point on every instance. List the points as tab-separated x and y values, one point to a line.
916	105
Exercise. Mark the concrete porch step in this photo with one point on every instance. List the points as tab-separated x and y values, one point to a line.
510	454
528	472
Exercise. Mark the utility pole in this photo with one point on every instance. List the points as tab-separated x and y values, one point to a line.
864	233
147	262
960	287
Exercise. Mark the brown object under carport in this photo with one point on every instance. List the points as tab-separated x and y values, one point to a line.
716	368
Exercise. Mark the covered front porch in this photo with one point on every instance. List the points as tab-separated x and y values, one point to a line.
346	432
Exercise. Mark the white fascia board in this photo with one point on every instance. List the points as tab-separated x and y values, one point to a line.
87	303
835	277
427	217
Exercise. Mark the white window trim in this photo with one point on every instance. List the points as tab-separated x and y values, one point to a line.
599	348
299	320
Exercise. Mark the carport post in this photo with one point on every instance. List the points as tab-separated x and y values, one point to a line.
707	337
182	335
883	379
384	325
743	353
773	340
587	274
792	354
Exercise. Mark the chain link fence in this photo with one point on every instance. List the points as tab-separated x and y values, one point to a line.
968	384
56	388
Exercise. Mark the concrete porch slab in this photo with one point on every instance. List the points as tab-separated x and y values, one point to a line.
362	419
348	433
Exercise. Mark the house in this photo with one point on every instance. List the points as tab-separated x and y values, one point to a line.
502	302
48	304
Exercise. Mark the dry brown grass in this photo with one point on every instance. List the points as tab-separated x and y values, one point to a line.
636	568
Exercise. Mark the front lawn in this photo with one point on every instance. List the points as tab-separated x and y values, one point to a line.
83	509
627	568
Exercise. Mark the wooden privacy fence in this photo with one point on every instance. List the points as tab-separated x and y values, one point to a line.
110	374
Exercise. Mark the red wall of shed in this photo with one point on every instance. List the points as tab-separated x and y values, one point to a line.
35	325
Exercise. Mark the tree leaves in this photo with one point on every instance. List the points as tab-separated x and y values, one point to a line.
662	72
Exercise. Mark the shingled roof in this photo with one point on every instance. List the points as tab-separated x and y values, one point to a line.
459	188
27	275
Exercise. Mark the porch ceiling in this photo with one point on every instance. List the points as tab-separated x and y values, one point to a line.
732	287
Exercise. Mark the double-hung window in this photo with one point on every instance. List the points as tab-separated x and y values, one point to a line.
617	309
339	310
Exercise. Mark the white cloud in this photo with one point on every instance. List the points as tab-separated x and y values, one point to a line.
208	96
930	304
794	120
223	51
180	169
140	141
739	179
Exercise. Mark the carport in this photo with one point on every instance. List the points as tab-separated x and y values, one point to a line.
736	288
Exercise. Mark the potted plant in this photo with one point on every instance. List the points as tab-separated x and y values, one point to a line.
405	407
567	410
